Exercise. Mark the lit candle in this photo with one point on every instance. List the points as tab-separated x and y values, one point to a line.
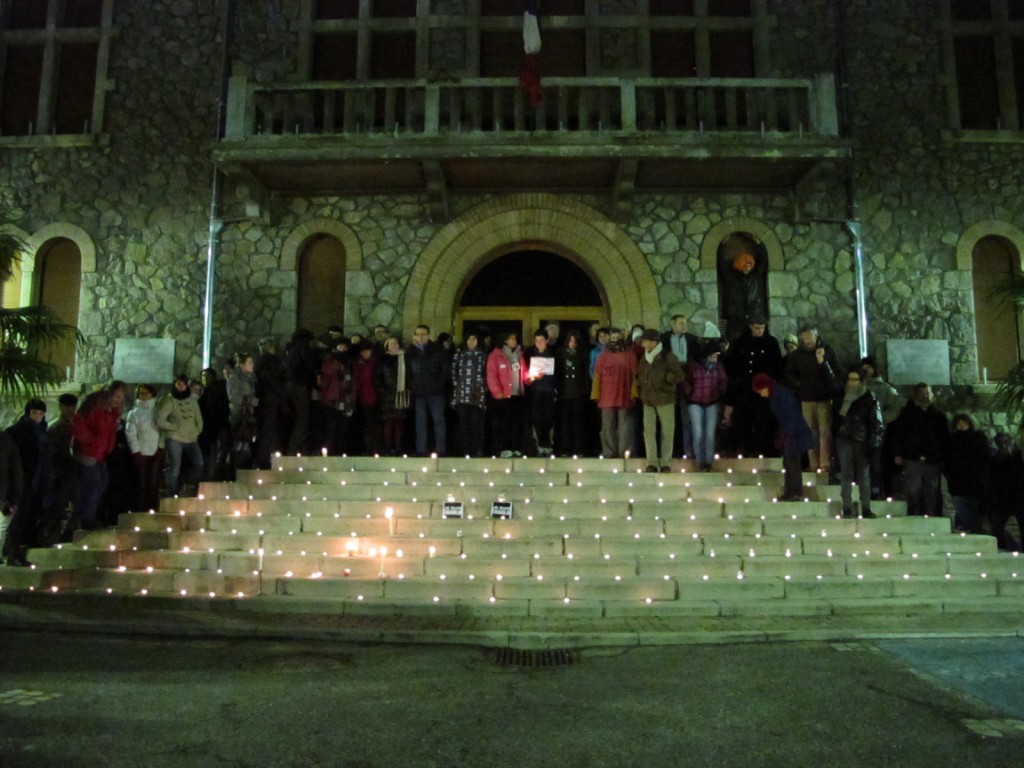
383	554
389	513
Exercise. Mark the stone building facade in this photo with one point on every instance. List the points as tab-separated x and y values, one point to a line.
926	178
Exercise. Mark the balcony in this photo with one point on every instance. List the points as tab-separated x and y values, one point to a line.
605	135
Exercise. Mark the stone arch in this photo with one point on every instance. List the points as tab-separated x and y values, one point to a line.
975	232
77	235
321	226
567	227
34	244
760	230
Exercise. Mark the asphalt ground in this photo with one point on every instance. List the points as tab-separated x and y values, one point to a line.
78	700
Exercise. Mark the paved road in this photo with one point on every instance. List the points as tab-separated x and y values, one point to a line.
78	701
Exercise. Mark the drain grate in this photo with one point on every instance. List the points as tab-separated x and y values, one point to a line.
514	657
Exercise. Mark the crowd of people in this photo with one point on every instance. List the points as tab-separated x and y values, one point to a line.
604	392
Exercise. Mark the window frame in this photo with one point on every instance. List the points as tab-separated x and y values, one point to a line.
52	37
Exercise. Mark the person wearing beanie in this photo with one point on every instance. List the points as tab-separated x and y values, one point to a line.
657	377
794	436
36	502
789	344
180	422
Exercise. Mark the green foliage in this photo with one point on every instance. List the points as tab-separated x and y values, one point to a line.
1010	394
23	332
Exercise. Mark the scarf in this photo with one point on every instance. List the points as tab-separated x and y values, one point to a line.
649	356
400	354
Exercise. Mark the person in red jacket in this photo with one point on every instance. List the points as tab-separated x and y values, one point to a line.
614	378
94	430
506	381
365	430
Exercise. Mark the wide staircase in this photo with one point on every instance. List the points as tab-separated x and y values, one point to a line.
558	537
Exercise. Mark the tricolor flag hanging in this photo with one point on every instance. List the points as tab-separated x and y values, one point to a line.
529	77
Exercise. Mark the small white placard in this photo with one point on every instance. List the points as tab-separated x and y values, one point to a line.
144	361
918	360
501	509
453	509
541	365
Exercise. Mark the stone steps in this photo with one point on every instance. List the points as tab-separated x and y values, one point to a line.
588	538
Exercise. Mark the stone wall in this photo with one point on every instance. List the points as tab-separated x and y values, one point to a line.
144	196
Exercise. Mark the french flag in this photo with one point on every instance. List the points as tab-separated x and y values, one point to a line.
529	77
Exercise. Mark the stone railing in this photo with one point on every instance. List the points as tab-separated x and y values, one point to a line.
498	106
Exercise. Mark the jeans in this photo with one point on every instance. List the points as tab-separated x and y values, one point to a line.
435	405
90	485
175	451
704	421
854	467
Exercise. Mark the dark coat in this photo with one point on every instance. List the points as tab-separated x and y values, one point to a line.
966	463
428	369
692	344
862	423
795	436
812	381
572	375
36	457
11	476
750	355
919	434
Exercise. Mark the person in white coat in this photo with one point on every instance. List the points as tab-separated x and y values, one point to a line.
145	442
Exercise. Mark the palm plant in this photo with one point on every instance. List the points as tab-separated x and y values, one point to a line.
23	333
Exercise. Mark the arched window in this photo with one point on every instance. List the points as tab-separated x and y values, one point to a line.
742	282
995	264
60	281
322	264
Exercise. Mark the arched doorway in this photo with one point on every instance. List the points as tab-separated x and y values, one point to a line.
545	221
60	280
524	287
742	267
996	271
321	300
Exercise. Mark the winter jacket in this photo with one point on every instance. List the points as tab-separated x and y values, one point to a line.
427	369
919	434
11	474
36	460
795	436
812	381
179	418
750	355
95	431
363	390
241	393
967	463
572	377
545	384
500	373
331	381
658	381
862	422
705	385
140	428
469	378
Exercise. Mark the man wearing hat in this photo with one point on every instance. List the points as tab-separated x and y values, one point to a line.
657	379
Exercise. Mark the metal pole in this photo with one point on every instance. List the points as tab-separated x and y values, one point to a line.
860	290
216	225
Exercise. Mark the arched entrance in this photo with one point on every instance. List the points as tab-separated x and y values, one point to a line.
525	289
546	222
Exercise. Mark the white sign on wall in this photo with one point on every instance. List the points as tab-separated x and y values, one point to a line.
918	360
144	361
